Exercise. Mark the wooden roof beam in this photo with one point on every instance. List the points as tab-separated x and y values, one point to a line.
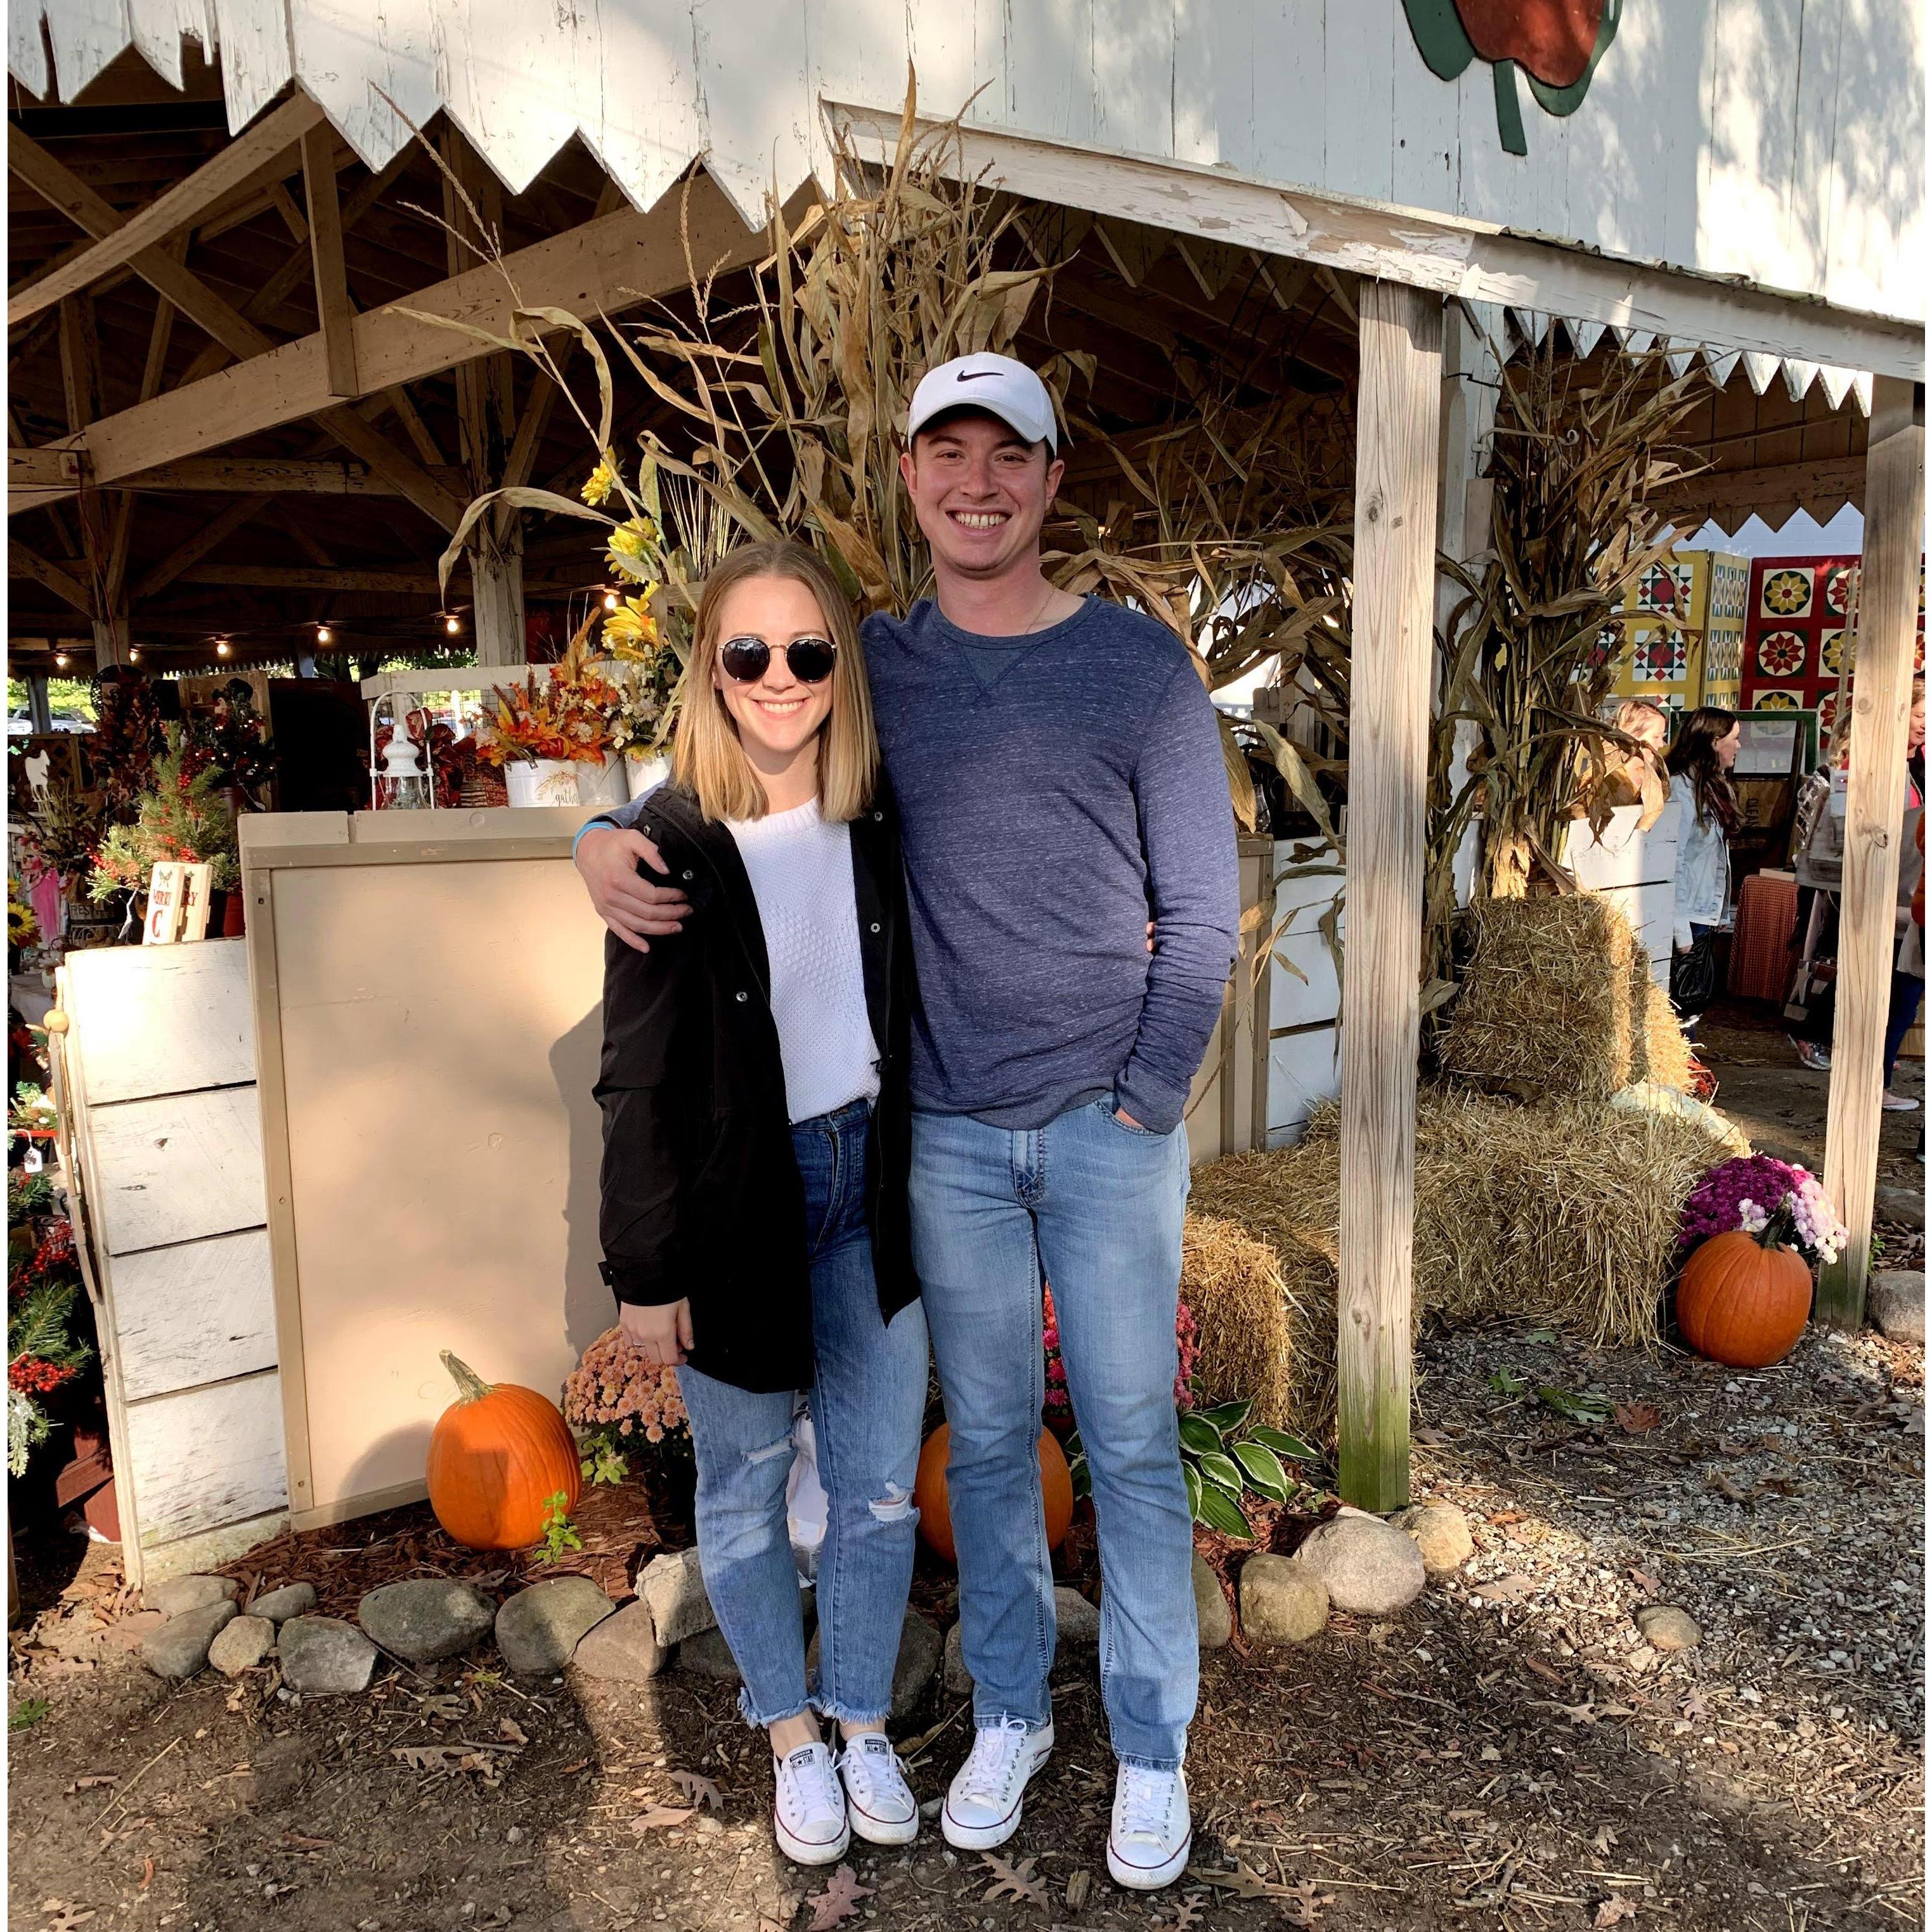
22	562
607	265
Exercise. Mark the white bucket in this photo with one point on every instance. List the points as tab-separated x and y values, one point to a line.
545	782
644	775
601	782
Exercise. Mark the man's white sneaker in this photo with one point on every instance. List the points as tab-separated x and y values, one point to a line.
878	1801
808	1807
1152	1833
983	1803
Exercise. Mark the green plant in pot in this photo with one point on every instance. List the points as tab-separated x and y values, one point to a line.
178	818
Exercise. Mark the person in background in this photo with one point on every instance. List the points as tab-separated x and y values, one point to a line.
1818	838
1700	765
757	1144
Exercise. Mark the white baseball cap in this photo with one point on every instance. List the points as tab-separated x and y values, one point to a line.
997	384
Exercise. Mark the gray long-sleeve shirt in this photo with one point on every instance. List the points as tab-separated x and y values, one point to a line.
1055	792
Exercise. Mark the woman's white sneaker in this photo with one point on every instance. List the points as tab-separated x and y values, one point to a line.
983	1801
878	1801
808	1807
1152	1833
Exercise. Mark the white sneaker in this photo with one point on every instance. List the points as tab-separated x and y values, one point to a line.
983	1803
808	1807
878	1800
1152	1833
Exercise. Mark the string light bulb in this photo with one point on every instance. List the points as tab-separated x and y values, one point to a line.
134	654
452	624
323	634
60	660
222	647
610	600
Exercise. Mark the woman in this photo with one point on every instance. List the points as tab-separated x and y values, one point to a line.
756	1147
1700	765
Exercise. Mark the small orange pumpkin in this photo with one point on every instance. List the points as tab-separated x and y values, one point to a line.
1742	1303
935	1517
499	1454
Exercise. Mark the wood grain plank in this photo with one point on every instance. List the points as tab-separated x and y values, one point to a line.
149	1020
178	1169
1397	456
203	1312
209	1457
1875	805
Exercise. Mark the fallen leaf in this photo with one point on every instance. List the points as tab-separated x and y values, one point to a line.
61	1916
446	1706
93	1782
1615	1909
512	1733
838	1901
1506	1589
428	1757
1241	1881
699	1789
1301	1904
1606	1841
661	1818
575	1765
483	1765
301	1841
1011	1880
1644	1580
1725	1488
1638	1418
1432	1437
1187	1912
1544	1670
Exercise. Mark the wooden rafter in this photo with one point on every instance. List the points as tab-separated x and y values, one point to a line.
332	303
230	170
607	265
195	299
22	562
217	530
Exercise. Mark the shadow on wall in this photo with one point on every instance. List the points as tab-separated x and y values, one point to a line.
586	1306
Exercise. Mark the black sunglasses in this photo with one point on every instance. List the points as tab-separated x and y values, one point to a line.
747	659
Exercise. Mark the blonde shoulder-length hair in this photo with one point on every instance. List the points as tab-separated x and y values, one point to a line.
707	759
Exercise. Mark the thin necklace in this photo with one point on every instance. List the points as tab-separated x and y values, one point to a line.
1033	622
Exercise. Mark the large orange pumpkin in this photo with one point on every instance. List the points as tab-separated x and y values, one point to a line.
499	1454
1741	1302
935	1517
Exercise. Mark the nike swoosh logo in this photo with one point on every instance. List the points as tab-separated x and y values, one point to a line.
974	375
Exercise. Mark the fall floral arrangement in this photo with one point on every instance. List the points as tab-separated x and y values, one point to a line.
1757	1193
615	1399
43	1283
178	817
566	717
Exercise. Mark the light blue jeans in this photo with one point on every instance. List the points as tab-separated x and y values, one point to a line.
866	1406
1099	1206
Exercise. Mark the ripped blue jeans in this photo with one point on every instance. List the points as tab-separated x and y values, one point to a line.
866	1406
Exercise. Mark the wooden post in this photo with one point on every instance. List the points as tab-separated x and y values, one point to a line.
496	589
333	306
1888	610
1397	449
39	711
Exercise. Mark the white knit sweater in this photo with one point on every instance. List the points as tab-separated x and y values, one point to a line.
801	872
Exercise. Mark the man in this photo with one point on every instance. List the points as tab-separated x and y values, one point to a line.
1059	774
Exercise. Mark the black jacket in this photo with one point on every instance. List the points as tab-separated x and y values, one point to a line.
701	1195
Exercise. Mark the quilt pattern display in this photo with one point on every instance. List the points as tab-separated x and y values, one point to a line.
1796	635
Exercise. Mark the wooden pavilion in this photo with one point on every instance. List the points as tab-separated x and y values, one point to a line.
233	421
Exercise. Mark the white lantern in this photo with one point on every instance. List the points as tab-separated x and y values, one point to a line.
403	771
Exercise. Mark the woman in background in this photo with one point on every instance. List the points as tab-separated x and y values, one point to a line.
1700	765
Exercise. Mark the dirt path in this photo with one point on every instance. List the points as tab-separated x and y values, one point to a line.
1509	1753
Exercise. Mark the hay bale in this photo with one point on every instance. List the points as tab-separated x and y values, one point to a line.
1547	1007
1232	1283
1663	1055
1575	1211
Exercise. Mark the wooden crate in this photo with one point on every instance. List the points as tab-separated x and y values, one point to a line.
157	1073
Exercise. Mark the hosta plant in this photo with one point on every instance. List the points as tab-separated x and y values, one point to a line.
1223	1461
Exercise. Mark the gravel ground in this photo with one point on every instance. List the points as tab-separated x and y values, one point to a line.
1507	1753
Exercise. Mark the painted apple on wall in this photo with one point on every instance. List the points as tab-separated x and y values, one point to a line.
1556	43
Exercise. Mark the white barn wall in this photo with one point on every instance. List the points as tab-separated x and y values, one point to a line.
1782	140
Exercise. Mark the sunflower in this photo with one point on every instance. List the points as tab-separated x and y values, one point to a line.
630	627
602	481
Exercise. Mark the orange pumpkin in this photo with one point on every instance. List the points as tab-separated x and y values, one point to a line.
1741	1302
499	1454
935	1517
